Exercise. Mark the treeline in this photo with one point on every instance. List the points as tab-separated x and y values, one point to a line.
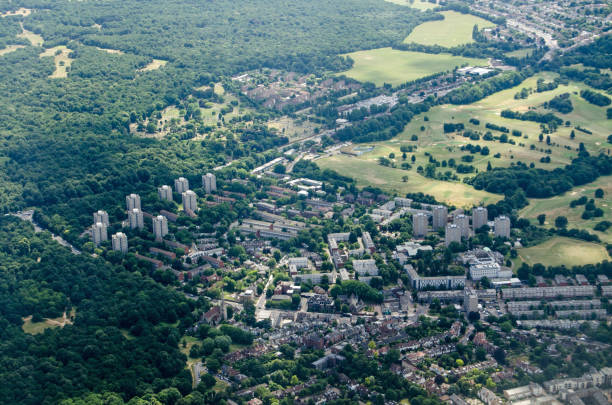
540	183
548	118
465	9
383	127
469	93
595	98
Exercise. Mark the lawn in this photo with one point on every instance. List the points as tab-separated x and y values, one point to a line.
559	206
564	251
454	30
367	172
387	65
418	4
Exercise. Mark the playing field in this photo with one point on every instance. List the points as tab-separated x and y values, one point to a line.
564	251
386	65
367	172
418	4
559	206
455	29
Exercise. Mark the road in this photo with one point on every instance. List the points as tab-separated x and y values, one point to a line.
261	302
28	215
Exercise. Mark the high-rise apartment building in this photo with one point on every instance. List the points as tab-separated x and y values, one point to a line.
160	227
132	201
120	242
419	224
165	193
209	183
181	185
479	217
502	227
99	233
135	219
190	201
440	216
101	216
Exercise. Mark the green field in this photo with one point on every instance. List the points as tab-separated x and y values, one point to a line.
386	65
454	30
418	4
520	53
441	146
433	141
559	205
564	251
367	172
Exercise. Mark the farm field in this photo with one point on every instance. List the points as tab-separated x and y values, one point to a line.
560	206
454	30
418	4
387	65
559	251
367	172
61	58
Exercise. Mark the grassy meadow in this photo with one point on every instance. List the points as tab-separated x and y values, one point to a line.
454	30
563	251
367	172
560	206
387	65
431	140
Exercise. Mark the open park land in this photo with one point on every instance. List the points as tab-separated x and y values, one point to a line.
387	65
367	172
454	30
564	251
431	140
560	206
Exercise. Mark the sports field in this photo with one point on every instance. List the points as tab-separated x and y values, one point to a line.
564	251
454	30
559	206
418	4
367	172
386	65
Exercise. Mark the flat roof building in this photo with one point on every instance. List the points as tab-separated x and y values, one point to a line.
209	183
165	193
99	233
160	227
479	217
101	216
135	219
190	201
181	185
132	201
120	242
419	225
